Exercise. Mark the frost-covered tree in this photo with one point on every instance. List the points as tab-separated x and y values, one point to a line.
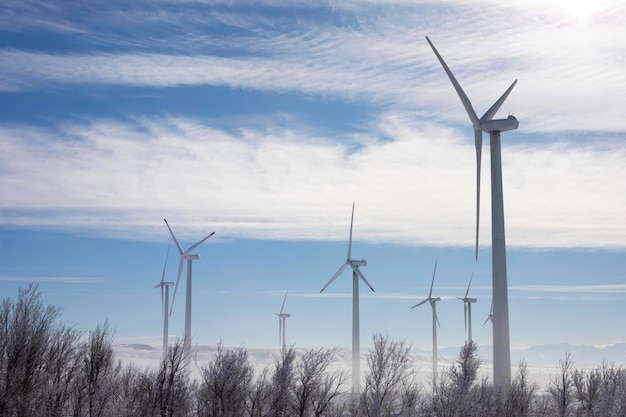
390	388
561	388
225	384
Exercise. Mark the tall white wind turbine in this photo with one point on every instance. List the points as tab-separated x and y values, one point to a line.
189	257
467	310
282	324
356	274
165	297
433	300
501	339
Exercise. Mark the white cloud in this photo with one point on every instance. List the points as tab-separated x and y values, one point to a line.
413	183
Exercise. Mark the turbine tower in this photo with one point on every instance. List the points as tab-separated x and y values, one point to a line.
501	339
165	297
189	257
282	324
356	274
433	301
467	310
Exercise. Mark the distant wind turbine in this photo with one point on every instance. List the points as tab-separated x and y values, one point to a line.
490	316
186	255
467	310
501	339
356	274
433	300
165	297
282	324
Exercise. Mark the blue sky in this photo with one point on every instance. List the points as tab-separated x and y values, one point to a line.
264	120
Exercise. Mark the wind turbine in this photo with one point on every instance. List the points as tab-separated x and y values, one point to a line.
186	255
356	274
501	339
467	310
282	324
165	297
490	316
433	301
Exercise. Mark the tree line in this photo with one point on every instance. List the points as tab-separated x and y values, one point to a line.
50	369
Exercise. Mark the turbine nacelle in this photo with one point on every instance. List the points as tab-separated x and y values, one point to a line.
192	257
499	125
362	262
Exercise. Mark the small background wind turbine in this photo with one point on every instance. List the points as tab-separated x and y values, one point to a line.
490	316
165	297
433	300
186	255
282	324
501	338
467	310
356	274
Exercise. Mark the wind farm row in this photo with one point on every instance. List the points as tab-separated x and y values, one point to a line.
499	309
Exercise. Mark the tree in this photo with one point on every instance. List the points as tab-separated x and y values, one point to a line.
26	333
96	385
282	383
561	388
225	383
315	389
389	383
465	370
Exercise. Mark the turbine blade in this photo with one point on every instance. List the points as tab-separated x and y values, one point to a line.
173	237
496	106
432	282
360	274
478	141
285	299
350	241
335	276
488	318
468	285
435	313
464	99
198	243
180	271
420	303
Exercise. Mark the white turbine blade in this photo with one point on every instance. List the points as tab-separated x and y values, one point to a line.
350	241
420	303
285	299
464	99
432	282
198	243
360	274
435	313
180	271
335	276
488	319
496	106
468	285
173	237
478	141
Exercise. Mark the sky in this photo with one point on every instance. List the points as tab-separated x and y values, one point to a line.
265	120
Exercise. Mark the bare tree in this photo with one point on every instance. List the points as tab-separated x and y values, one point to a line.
96	385
388	378
561	388
26	329
225	384
315	389
282	383
173	392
